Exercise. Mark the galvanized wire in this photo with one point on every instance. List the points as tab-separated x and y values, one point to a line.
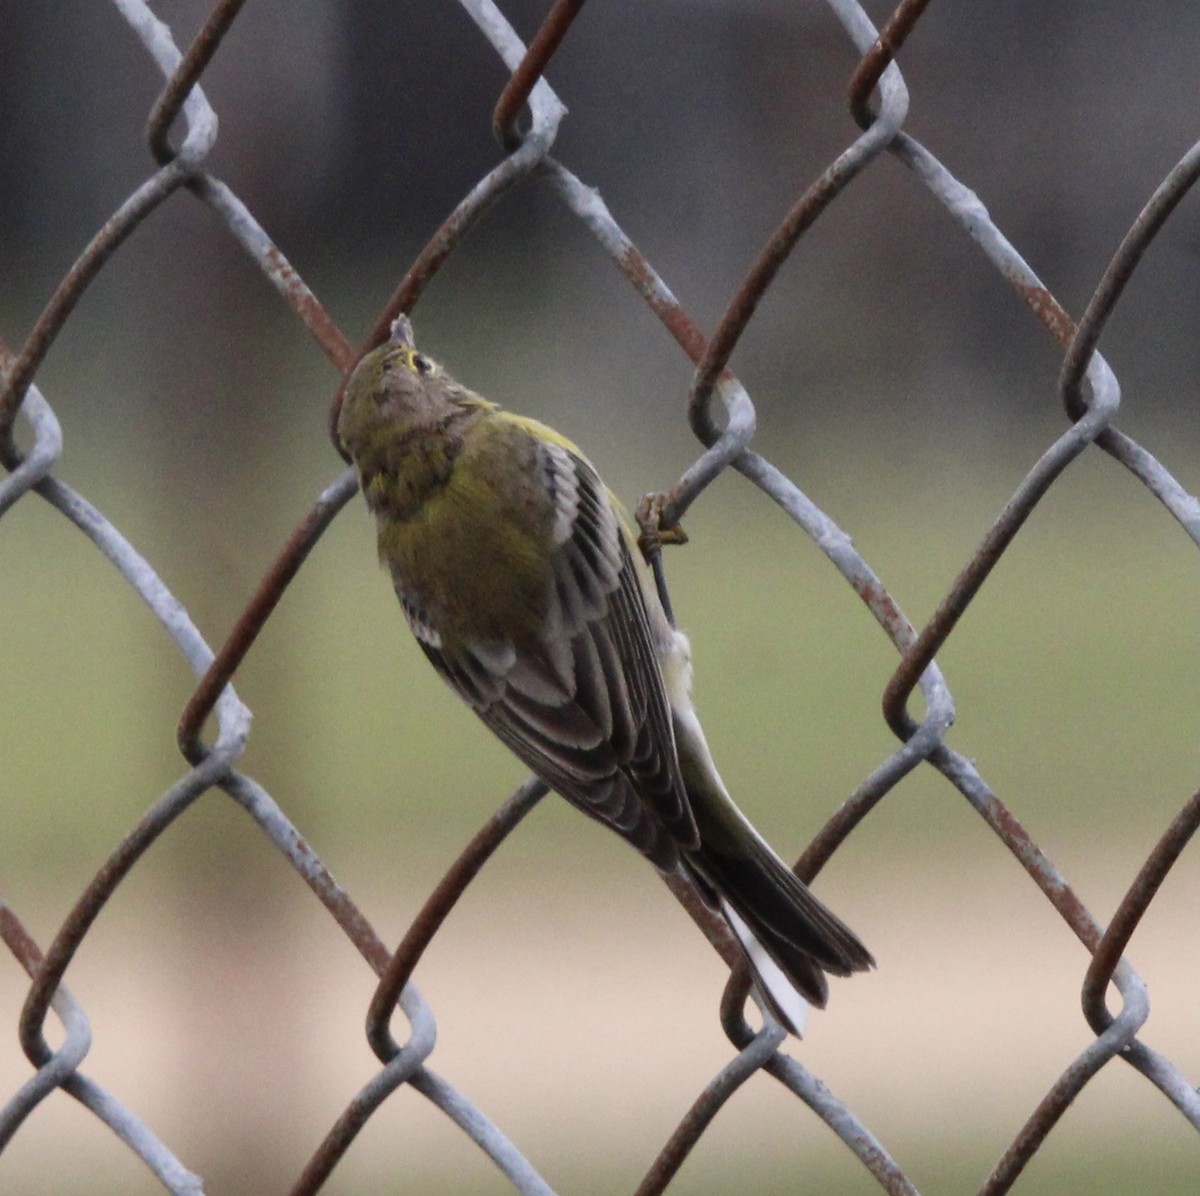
722	415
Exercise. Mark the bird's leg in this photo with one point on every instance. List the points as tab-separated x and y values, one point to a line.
653	536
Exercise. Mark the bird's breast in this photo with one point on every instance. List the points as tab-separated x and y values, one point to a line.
473	557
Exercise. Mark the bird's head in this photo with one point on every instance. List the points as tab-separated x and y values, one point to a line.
394	389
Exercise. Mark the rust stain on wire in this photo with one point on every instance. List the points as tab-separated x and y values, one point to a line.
541	49
1107	953
68	293
1049	311
437	908
678	323
877	59
18	940
191	67
310	310
266	598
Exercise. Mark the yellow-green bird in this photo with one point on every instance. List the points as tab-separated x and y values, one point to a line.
517	575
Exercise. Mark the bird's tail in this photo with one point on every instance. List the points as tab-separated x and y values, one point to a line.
790	939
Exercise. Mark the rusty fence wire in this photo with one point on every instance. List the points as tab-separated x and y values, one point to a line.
527	118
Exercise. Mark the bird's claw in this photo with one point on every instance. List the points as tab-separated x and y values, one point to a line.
654	534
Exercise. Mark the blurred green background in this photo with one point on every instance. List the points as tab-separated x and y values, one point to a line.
898	382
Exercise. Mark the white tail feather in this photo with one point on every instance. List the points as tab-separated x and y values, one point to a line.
788	1004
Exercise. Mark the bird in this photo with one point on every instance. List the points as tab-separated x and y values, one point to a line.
520	577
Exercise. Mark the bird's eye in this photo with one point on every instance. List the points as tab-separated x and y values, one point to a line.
407	359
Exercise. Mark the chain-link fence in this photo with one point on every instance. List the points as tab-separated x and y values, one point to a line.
918	704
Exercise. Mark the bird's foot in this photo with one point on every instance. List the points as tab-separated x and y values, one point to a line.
654	532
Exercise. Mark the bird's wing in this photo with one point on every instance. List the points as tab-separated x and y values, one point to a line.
583	704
